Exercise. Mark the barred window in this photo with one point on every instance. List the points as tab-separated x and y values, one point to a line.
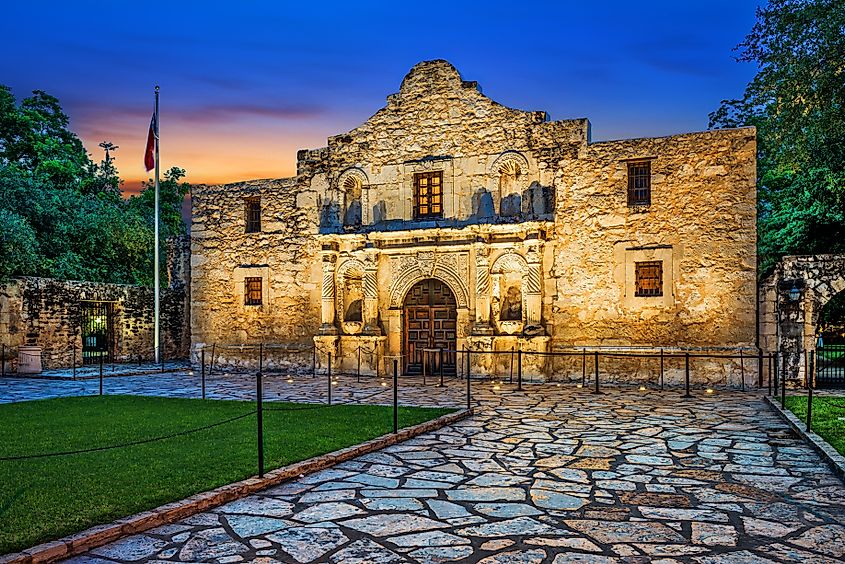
428	195
649	278
639	183
252	291
253	215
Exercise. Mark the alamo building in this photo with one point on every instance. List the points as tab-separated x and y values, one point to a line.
448	221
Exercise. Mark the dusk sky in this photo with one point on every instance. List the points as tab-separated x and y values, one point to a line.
245	85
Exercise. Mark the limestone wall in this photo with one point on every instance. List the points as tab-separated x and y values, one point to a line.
513	182
282	254
48	313
701	223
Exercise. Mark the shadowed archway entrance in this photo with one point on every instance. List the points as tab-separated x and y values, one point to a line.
430	314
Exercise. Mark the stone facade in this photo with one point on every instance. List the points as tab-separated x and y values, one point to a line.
49	313
536	240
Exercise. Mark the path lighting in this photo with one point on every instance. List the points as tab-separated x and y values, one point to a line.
384	383
709	390
558	384
290	380
642	388
496	387
579	385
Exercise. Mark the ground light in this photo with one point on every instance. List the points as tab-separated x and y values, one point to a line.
384	383
709	390
290	380
578	386
642	388
497	387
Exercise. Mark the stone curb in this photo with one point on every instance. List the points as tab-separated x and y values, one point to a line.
833	459
103	534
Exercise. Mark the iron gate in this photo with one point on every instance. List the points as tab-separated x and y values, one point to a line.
97	331
830	366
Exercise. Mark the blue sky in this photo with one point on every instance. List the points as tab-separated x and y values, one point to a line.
244	85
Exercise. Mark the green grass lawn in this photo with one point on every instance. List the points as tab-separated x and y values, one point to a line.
43	499
828	417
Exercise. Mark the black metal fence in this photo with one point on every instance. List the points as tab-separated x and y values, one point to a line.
830	366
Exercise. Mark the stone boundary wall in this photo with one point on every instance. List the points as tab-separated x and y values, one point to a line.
48	313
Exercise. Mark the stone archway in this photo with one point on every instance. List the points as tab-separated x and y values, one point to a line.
792	298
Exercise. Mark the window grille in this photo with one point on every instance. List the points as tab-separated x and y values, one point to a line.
253	215
252	293
428	195
639	183
649	277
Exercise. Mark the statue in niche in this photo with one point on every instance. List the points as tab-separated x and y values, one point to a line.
354	298
512	305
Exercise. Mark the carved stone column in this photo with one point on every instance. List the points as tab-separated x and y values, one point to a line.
482	292
328	326
533	287
371	326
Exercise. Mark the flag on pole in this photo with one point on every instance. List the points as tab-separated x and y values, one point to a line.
149	154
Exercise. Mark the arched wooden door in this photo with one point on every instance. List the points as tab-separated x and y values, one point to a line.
430	322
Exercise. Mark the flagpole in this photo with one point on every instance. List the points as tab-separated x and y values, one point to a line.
156	314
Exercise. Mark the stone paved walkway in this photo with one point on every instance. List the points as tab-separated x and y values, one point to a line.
550	475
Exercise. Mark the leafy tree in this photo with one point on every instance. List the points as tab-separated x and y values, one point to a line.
63	216
797	103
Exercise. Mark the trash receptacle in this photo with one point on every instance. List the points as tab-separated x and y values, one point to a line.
29	360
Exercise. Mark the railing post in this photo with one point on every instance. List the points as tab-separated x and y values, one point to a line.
3	362
73	363
359	364
687	394
259	395
424	357
440	359
519	369
596	367
777	372
101	374
810	392
469	370
329	372
742	368
395	395
583	367
510	380
211	366
202	362
314	362
759	368
782	390
770	374
661	370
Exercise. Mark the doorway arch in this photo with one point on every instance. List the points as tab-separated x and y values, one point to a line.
430	321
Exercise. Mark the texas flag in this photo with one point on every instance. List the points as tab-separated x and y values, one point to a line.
149	154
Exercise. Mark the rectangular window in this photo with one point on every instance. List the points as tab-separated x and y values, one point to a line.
639	183
253	215
428	195
252	291
649	276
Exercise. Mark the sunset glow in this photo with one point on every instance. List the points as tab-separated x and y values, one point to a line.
241	92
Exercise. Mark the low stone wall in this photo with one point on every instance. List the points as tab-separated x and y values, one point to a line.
48	313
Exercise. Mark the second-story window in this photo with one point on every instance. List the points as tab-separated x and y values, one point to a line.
428	195
639	183
253	214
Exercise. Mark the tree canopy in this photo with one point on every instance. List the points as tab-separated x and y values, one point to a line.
797	102
63	215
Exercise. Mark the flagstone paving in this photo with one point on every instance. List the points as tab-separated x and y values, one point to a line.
549	475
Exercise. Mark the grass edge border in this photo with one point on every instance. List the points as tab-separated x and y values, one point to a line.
829	454
99	535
